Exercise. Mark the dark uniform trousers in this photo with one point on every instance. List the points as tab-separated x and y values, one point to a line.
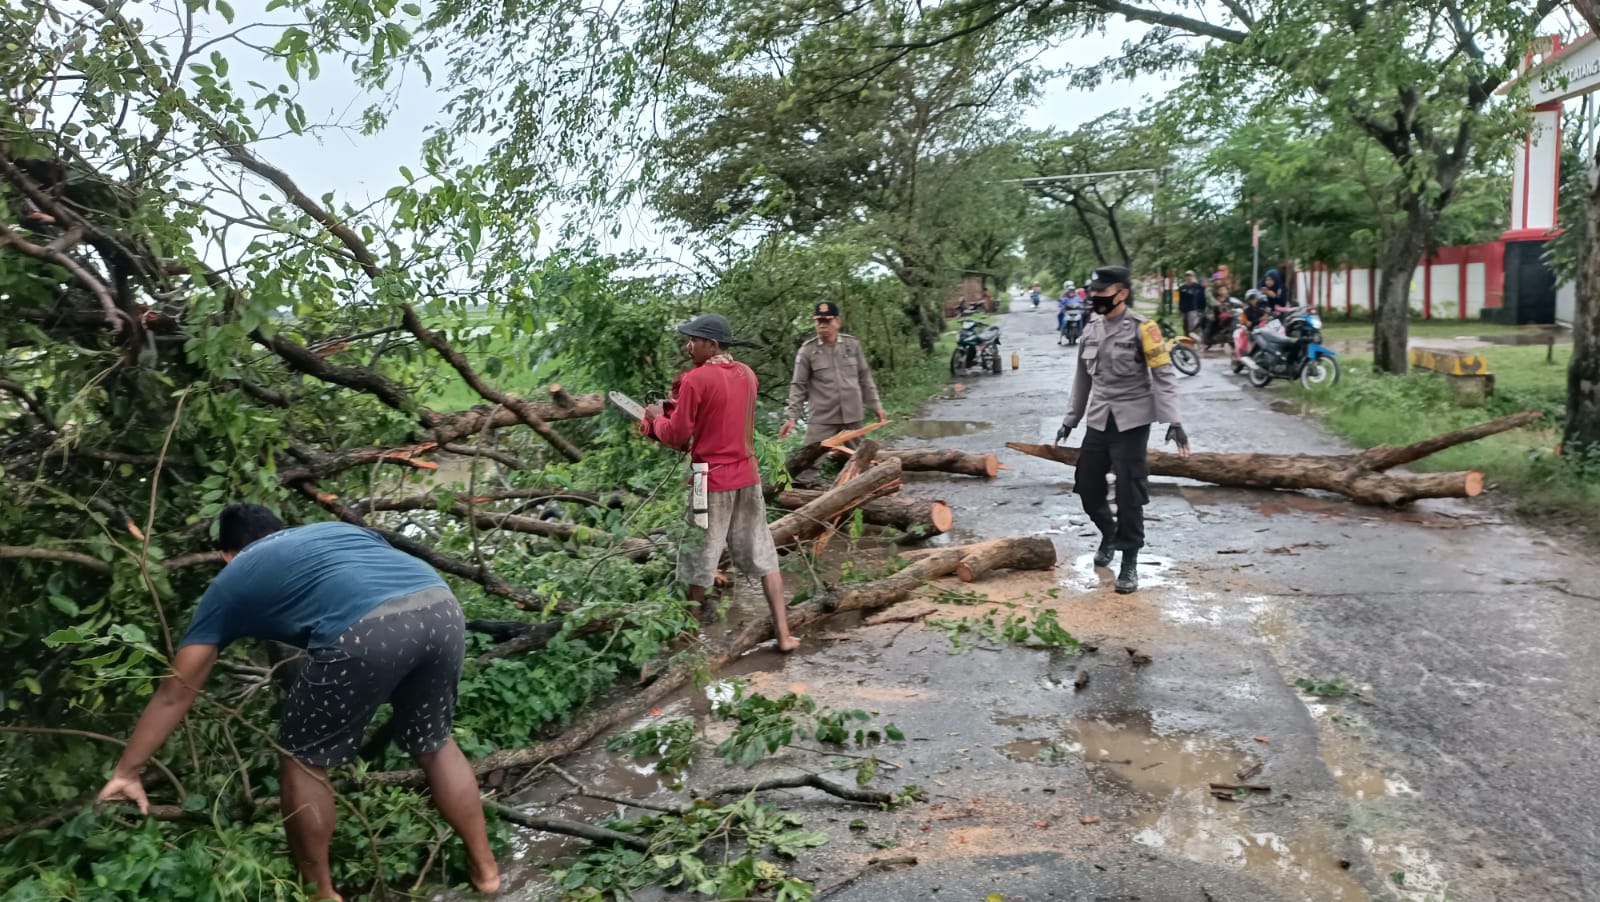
1123	453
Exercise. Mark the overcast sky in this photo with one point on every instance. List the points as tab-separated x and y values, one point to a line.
359	168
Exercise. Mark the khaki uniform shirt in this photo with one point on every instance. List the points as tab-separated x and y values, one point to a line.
1115	381
834	380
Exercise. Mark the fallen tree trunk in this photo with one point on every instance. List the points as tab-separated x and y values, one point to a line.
805	457
880	593
907	514
814	517
947	460
859	463
1384	457
632	704
1341	474
1026	553
980	559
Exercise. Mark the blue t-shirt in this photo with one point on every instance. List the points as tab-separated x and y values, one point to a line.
304	586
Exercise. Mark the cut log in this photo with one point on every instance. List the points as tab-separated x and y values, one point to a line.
947	460
1341	474
836	442
806	457
814	517
881	593
560	398
1027	553
859	462
983	558
912	515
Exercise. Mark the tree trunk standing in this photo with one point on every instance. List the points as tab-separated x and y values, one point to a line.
1398	260
1582	434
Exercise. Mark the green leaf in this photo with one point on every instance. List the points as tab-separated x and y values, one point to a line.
64	604
70	636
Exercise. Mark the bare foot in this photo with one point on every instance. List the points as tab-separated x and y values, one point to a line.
788	645
484	879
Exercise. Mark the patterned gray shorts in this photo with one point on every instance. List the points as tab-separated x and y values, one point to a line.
738	524
407	651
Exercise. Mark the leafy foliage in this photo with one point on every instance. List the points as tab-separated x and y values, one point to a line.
766	725
1044	632
714	851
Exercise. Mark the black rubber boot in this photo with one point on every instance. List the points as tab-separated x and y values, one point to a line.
1103	555
1128	578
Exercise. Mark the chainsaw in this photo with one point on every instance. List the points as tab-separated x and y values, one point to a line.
636	410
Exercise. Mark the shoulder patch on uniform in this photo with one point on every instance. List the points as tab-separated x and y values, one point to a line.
1155	347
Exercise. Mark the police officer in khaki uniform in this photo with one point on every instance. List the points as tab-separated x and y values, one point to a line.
832	377
1124	383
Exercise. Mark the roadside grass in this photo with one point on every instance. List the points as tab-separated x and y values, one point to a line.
1338	327
1370	408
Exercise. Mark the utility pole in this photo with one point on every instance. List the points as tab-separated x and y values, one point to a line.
1255	253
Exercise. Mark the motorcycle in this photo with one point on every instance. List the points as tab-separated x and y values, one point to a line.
1034	295
1181	349
1291	348
1071	326
977	345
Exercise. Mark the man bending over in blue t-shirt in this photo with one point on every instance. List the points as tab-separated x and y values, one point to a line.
378	626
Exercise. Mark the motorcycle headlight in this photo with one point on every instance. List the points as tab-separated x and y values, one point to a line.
1315	321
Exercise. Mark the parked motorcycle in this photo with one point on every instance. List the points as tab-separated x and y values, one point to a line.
977	345
1181	349
1291	348
1071	326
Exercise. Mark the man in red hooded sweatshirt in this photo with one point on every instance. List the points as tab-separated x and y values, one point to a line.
714	420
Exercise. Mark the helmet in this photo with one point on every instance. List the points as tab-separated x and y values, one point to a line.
1252	294
1069	286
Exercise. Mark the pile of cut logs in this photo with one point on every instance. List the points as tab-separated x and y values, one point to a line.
870	481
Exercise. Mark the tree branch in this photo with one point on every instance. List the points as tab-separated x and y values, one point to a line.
35	552
1197	27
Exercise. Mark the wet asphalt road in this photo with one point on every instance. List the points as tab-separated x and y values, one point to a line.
1467	766
1463	771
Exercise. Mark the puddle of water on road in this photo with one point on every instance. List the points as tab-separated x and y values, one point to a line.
1043	752
1125	753
1154	573
941	428
1290	407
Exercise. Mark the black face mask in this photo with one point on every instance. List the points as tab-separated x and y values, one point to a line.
1103	304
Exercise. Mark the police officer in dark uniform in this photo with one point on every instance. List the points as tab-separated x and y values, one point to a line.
1124	383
